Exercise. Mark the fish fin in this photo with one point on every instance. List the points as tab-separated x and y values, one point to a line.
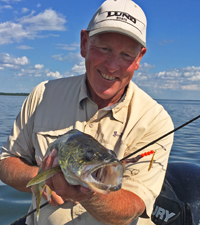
44	176
38	184
49	192
37	191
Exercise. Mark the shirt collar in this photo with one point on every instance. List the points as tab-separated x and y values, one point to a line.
119	109
83	91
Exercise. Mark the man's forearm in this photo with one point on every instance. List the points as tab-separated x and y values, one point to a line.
16	173
119	207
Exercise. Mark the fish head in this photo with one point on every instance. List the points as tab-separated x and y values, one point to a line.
88	163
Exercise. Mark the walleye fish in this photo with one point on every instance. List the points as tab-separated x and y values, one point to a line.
83	161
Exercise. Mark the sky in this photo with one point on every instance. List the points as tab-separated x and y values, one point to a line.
40	40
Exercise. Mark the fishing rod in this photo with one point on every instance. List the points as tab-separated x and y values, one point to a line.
23	217
151	143
158	139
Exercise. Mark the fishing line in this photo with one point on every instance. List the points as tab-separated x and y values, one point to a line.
165	135
151	143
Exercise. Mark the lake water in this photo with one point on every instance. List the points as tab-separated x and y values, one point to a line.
186	147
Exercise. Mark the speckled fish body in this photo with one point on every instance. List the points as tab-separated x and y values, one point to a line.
83	161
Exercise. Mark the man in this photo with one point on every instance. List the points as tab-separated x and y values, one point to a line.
106	104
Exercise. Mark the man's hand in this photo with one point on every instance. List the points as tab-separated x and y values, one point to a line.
123	205
61	190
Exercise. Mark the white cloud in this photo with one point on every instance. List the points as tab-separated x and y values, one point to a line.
30	72
69	47
24	47
25	10
192	87
10	1
10	65
38	5
169	74
78	68
182	74
58	57
173	85
165	42
195	77
5	7
189	68
54	75
31	26
172	81
39	66
71	57
38	75
146	66
10	32
7	60
47	20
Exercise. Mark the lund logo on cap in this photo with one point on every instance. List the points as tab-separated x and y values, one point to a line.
121	16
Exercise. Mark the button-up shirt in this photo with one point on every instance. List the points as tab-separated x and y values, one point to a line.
55	107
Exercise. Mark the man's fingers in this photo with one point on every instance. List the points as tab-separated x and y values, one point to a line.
54	199
44	163
48	162
50	159
55	162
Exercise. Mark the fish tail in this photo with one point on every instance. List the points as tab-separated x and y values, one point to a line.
38	184
49	192
37	190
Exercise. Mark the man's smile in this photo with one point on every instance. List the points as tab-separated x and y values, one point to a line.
106	76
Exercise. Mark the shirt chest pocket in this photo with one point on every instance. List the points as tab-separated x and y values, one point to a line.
43	138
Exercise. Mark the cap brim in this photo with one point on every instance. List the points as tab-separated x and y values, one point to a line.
116	30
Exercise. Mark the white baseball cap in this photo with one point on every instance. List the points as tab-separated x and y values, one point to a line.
121	16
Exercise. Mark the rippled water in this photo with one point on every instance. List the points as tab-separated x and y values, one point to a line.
186	147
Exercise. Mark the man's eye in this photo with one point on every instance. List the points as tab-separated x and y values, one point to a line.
127	56
104	49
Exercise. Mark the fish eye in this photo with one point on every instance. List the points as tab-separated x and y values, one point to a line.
89	155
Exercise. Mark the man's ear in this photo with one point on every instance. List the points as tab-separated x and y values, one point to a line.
84	42
141	54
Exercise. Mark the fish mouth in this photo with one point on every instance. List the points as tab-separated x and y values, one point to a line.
104	178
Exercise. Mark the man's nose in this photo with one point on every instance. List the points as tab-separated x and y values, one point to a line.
112	63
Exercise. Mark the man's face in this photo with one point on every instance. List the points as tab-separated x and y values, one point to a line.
110	59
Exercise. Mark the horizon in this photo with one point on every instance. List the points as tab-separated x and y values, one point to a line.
26	94
40	41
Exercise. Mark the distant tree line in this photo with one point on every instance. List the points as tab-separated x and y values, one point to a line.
14	94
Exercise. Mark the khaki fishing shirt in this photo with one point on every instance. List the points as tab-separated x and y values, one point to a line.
54	107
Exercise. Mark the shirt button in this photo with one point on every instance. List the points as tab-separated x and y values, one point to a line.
90	125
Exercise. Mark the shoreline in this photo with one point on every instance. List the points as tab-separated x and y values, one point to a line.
14	94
